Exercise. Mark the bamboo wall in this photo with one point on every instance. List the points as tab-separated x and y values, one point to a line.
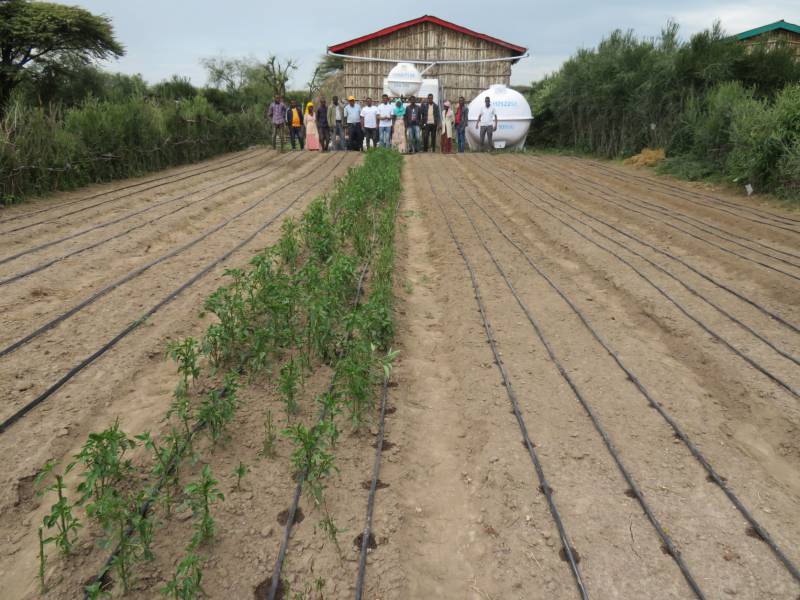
774	38
428	41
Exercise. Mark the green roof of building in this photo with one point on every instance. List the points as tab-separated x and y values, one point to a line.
766	28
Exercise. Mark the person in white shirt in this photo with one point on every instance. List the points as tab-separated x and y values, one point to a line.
352	116
487	122
385	113
369	123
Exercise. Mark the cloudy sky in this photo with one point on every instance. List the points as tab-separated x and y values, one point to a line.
168	37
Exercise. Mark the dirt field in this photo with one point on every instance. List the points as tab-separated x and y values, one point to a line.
641	334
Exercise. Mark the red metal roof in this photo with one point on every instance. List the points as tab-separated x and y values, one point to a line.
425	19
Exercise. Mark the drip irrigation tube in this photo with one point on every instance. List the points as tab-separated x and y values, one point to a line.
642	389
50	263
376	470
608	192
689	288
776	317
181	177
544	485
135	273
21	412
763	370
124	217
709	242
777	220
298	492
609	444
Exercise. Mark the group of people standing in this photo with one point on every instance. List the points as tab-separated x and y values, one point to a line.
410	128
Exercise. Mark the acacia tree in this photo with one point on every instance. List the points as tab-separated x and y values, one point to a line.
35	33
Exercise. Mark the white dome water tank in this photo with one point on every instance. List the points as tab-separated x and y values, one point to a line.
513	118
404	80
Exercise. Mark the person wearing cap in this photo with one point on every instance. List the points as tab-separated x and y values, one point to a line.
294	117
335	121
352	117
430	121
448	123
369	123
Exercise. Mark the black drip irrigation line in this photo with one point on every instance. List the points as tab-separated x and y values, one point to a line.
121	188
376	470
544	486
704	240
144	510
136	272
689	288
50	263
776	317
21	412
298	492
181	177
609	444
777	220
642	389
763	370
609	192
130	215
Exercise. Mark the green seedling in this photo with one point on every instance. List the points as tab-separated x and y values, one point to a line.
287	385
270	437
240	472
330	528
42	561
60	516
104	465
186	583
310	457
289	245
186	354
219	407
201	495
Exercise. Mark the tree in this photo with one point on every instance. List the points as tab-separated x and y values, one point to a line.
34	33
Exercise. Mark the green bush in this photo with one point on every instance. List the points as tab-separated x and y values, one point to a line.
47	149
717	107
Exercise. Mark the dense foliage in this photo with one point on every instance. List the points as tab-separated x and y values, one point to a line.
70	124
38	34
322	295
717	107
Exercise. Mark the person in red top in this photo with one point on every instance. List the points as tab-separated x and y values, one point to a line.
461	118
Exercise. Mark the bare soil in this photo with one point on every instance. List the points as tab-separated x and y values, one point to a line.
459	513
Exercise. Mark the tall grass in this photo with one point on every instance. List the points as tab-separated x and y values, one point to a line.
716	107
43	149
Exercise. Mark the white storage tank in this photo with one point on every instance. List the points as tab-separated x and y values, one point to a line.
513	118
403	80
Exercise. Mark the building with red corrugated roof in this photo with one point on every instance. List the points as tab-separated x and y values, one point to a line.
456	50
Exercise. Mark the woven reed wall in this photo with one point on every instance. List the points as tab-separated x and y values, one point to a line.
774	38
428	41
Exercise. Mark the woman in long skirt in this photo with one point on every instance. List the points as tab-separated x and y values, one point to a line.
312	134
448	124
399	133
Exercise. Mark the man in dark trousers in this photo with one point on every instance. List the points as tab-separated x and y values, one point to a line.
323	125
461	121
430	123
294	118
